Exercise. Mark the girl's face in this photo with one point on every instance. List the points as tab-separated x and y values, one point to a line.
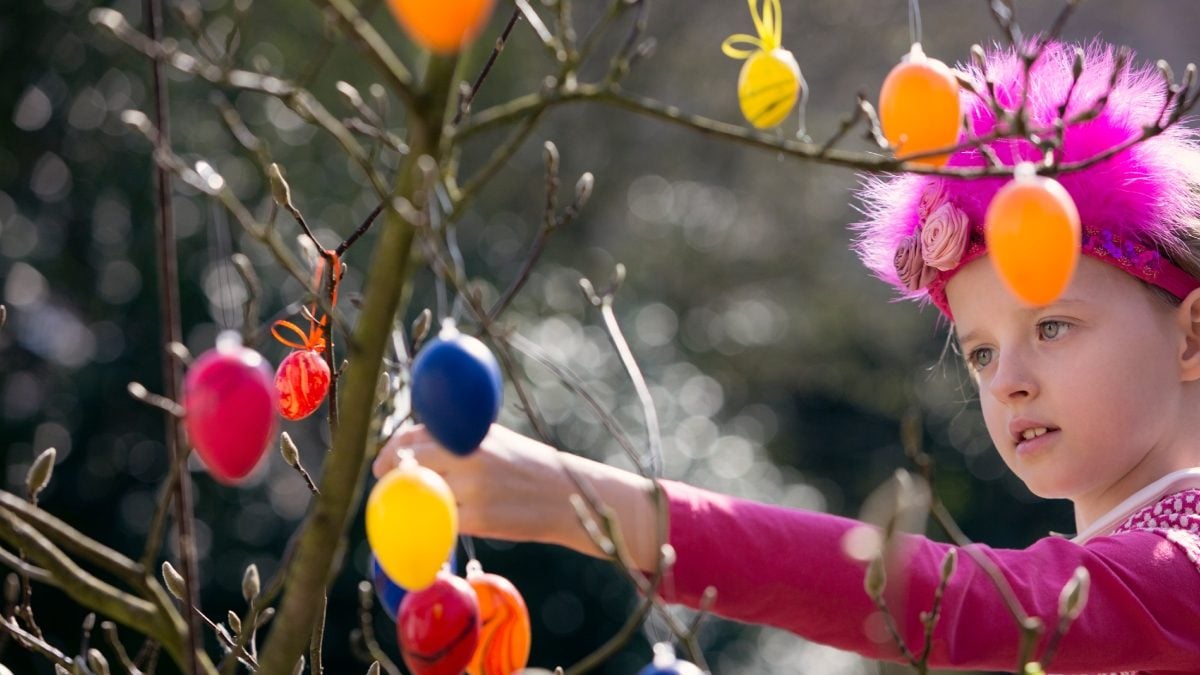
1083	397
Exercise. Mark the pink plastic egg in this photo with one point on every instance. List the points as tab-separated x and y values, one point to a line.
231	408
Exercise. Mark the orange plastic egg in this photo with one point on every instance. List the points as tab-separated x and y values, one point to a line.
919	107
1032	231
505	638
443	26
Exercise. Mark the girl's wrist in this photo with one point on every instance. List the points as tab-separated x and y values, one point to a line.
627	494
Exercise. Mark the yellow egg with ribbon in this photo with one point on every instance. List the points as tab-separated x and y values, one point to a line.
770	81
412	522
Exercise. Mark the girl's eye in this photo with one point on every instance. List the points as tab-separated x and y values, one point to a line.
980	358
1052	330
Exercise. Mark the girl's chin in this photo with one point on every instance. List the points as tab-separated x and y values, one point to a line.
1046	487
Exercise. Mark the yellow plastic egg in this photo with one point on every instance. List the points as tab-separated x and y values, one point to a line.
412	522
768	87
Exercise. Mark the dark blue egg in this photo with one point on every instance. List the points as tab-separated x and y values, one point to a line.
665	663
389	592
456	390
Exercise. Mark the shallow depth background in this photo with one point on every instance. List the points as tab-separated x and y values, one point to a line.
780	369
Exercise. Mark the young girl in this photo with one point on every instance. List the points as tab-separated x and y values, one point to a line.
1094	398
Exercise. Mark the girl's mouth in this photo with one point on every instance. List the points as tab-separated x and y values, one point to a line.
1035	440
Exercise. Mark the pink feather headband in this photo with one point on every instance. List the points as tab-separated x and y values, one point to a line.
1136	207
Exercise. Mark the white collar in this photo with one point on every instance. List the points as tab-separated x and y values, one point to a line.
1168	484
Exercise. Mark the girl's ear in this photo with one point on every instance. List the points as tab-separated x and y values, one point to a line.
1188	315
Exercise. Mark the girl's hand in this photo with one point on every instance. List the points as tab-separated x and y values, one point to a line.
518	489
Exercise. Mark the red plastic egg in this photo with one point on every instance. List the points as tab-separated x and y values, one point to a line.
438	627
303	381
505	637
230	405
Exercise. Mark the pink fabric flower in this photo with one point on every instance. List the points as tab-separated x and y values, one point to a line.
910	265
944	237
933	197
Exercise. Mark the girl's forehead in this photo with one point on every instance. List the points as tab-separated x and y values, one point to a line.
977	294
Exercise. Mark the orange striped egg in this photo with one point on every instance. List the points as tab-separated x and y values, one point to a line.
505	638
302	381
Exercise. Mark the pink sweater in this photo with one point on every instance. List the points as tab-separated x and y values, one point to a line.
785	567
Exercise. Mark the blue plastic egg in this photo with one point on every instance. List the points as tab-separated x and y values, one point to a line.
665	663
389	592
456	389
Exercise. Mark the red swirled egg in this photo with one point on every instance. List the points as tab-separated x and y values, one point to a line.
438	627
230	408
302	380
505	636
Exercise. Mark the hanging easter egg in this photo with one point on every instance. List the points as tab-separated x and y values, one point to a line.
456	389
230	408
1032	232
412	521
391	593
505	637
666	663
302	381
768	87
438	627
770	80
388	592
919	108
443	26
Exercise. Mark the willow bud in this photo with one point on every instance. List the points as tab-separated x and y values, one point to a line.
39	474
251	584
174	581
1074	594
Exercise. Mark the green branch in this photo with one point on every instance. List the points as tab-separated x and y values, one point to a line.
323	541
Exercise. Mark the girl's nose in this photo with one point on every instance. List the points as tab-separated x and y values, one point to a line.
1013	378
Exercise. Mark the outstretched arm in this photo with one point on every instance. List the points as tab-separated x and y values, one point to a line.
518	489
785	567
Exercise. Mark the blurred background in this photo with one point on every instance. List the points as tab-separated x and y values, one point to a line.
780	370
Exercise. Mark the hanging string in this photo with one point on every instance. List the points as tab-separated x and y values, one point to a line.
914	21
440	205
468	546
220	251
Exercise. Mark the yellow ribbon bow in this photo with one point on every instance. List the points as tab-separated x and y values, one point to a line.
768	23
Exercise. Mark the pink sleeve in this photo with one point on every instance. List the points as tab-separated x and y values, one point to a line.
785	567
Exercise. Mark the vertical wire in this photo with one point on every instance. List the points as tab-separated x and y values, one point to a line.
468	546
220	252
914	20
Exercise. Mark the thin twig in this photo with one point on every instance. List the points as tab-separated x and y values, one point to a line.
114	640
604	302
318	637
366	600
171	325
36	644
464	104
